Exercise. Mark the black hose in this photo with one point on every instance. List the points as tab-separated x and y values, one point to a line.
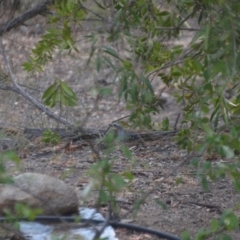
56	219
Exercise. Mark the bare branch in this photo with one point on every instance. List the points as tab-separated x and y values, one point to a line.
6	27
187	17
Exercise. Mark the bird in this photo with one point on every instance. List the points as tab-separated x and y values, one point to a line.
127	135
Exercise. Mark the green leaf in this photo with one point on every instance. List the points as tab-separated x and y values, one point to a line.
147	83
105	91
67	89
98	62
110	51
93	49
126	152
236	184
230	220
118	181
128	175
214	225
226	237
127	65
162	204
205	184
134	92
103	196
208	130
10	155
214	112
227	151
185	235
178	181
50	90
206	36
117	15
51	137
109	62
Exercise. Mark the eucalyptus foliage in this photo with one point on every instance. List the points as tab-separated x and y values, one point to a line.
205	73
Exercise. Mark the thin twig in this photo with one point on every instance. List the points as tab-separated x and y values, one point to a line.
94	13
218	208
100	231
178	60
121	118
175	125
187	17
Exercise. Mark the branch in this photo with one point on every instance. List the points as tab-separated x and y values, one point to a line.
5	87
176	61
175	28
187	17
18	234
104	225
6	27
16	88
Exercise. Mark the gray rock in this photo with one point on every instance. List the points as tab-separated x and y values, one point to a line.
39	191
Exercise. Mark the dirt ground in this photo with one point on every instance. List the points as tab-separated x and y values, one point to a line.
155	166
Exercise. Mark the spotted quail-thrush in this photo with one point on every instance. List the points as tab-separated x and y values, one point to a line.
126	135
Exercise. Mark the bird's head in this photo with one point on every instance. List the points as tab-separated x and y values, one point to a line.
120	131
116	126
